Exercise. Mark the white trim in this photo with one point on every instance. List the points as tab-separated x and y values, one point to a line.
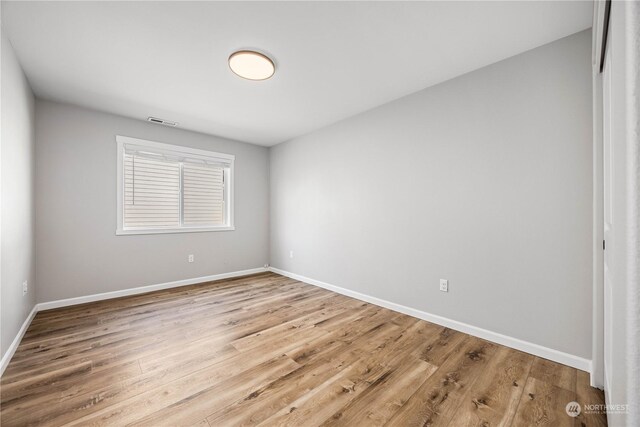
173	230
144	289
6	358
229	195
174	148
528	347
119	185
597	318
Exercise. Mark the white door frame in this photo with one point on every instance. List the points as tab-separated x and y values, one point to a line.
600	18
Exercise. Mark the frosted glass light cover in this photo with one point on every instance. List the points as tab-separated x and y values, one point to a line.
251	65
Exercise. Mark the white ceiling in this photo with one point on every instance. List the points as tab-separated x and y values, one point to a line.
334	59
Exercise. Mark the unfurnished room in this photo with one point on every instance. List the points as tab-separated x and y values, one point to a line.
320	213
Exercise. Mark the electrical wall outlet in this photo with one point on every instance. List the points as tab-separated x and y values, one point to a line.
444	285
191	258
25	287
290	254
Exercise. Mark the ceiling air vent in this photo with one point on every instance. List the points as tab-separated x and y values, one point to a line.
162	122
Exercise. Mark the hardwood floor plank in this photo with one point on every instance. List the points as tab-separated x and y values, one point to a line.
76	328
377	404
222	365
438	397
493	398
109	328
312	408
543	404
55	409
438	348
82	381
275	332
586	396
270	350
109	311
191	398
265	402
375	345
554	373
162	336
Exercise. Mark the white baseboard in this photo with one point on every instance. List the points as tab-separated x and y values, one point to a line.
109	295
16	341
144	289
528	347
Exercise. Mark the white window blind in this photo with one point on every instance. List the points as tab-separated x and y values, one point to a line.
151	192
203	194
167	188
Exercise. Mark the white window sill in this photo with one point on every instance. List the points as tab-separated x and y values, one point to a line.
120	232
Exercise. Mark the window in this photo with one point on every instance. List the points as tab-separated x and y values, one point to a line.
165	188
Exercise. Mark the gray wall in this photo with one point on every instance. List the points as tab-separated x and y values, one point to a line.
77	250
484	180
17	252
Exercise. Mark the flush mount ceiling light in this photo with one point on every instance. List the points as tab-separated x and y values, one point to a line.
251	65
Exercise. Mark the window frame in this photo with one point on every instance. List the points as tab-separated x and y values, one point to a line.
179	149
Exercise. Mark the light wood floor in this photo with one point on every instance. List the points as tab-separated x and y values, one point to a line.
270	350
